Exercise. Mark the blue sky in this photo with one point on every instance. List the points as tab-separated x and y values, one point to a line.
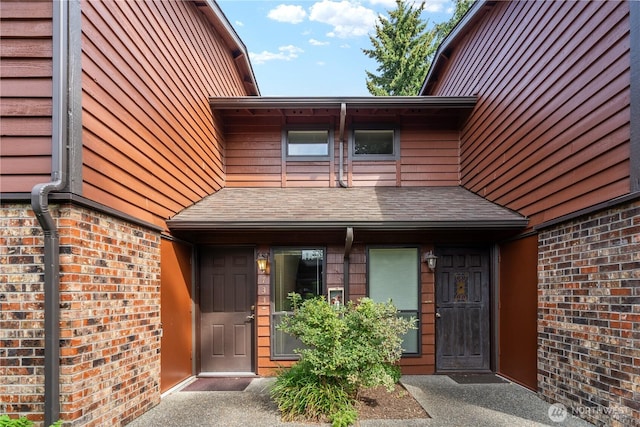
313	47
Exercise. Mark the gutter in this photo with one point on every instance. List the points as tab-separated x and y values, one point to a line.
39	203
353	102
514	224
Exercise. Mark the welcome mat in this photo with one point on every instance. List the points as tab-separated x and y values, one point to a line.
219	384
477	379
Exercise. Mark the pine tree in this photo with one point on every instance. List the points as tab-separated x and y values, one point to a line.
402	47
443	29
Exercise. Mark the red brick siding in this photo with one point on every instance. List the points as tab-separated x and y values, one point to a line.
589	315
21	316
110	316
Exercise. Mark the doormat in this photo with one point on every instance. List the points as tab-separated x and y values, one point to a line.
477	379
219	384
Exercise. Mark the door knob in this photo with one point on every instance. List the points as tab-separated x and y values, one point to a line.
251	317
438	315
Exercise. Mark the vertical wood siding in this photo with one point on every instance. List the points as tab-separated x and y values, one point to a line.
254	158
550	134
25	94
150	144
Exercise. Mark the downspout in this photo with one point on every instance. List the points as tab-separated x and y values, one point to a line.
343	115
39	203
348	241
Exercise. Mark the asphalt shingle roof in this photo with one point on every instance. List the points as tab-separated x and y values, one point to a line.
376	207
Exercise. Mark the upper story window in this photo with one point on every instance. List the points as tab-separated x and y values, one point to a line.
307	143
375	143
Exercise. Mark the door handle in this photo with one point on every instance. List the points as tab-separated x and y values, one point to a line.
251	317
438	315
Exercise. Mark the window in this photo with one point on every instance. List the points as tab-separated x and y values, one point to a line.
375	143
394	275
307	143
294	270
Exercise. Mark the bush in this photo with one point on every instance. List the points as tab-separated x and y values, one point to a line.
6	421
348	348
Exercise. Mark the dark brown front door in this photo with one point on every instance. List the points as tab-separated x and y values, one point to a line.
462	310
227	298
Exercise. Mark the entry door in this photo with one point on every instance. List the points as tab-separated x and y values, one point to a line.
462	310
227	298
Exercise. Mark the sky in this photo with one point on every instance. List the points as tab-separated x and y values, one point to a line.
314	47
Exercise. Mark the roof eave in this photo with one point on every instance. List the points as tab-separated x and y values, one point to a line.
219	21
478	8
388	102
362	225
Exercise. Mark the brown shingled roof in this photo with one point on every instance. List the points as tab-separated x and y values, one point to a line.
366	207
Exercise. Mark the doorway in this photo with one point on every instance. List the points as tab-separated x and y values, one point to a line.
463	333
227	303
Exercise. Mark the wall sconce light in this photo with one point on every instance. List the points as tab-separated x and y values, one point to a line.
263	262
431	260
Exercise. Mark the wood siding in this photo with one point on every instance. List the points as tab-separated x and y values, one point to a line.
176	312
25	94
550	134
518	314
150	144
254	158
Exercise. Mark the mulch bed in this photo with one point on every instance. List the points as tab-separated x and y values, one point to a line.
379	404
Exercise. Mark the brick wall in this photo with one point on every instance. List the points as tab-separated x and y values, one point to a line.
110	316
21	316
589	315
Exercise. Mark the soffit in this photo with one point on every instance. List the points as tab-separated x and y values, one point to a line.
453	109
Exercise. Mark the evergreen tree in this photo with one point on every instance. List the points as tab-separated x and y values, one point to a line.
443	29
401	46
404	48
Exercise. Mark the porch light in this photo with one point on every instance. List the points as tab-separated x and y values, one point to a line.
430	259
262	261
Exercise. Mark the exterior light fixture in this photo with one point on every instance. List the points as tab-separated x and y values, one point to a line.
263	262
430	259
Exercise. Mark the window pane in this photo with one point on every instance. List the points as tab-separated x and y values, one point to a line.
373	142
393	274
283	343
294	270
410	339
308	143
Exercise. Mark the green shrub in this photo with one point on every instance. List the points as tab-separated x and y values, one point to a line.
6	421
348	348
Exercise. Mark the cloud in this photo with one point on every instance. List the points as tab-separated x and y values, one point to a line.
389	4
239	23
285	53
347	19
315	42
288	13
435	6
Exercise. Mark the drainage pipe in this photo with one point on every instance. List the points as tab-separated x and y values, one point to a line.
40	206
348	242
343	115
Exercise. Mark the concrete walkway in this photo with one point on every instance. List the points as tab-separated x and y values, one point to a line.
447	402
